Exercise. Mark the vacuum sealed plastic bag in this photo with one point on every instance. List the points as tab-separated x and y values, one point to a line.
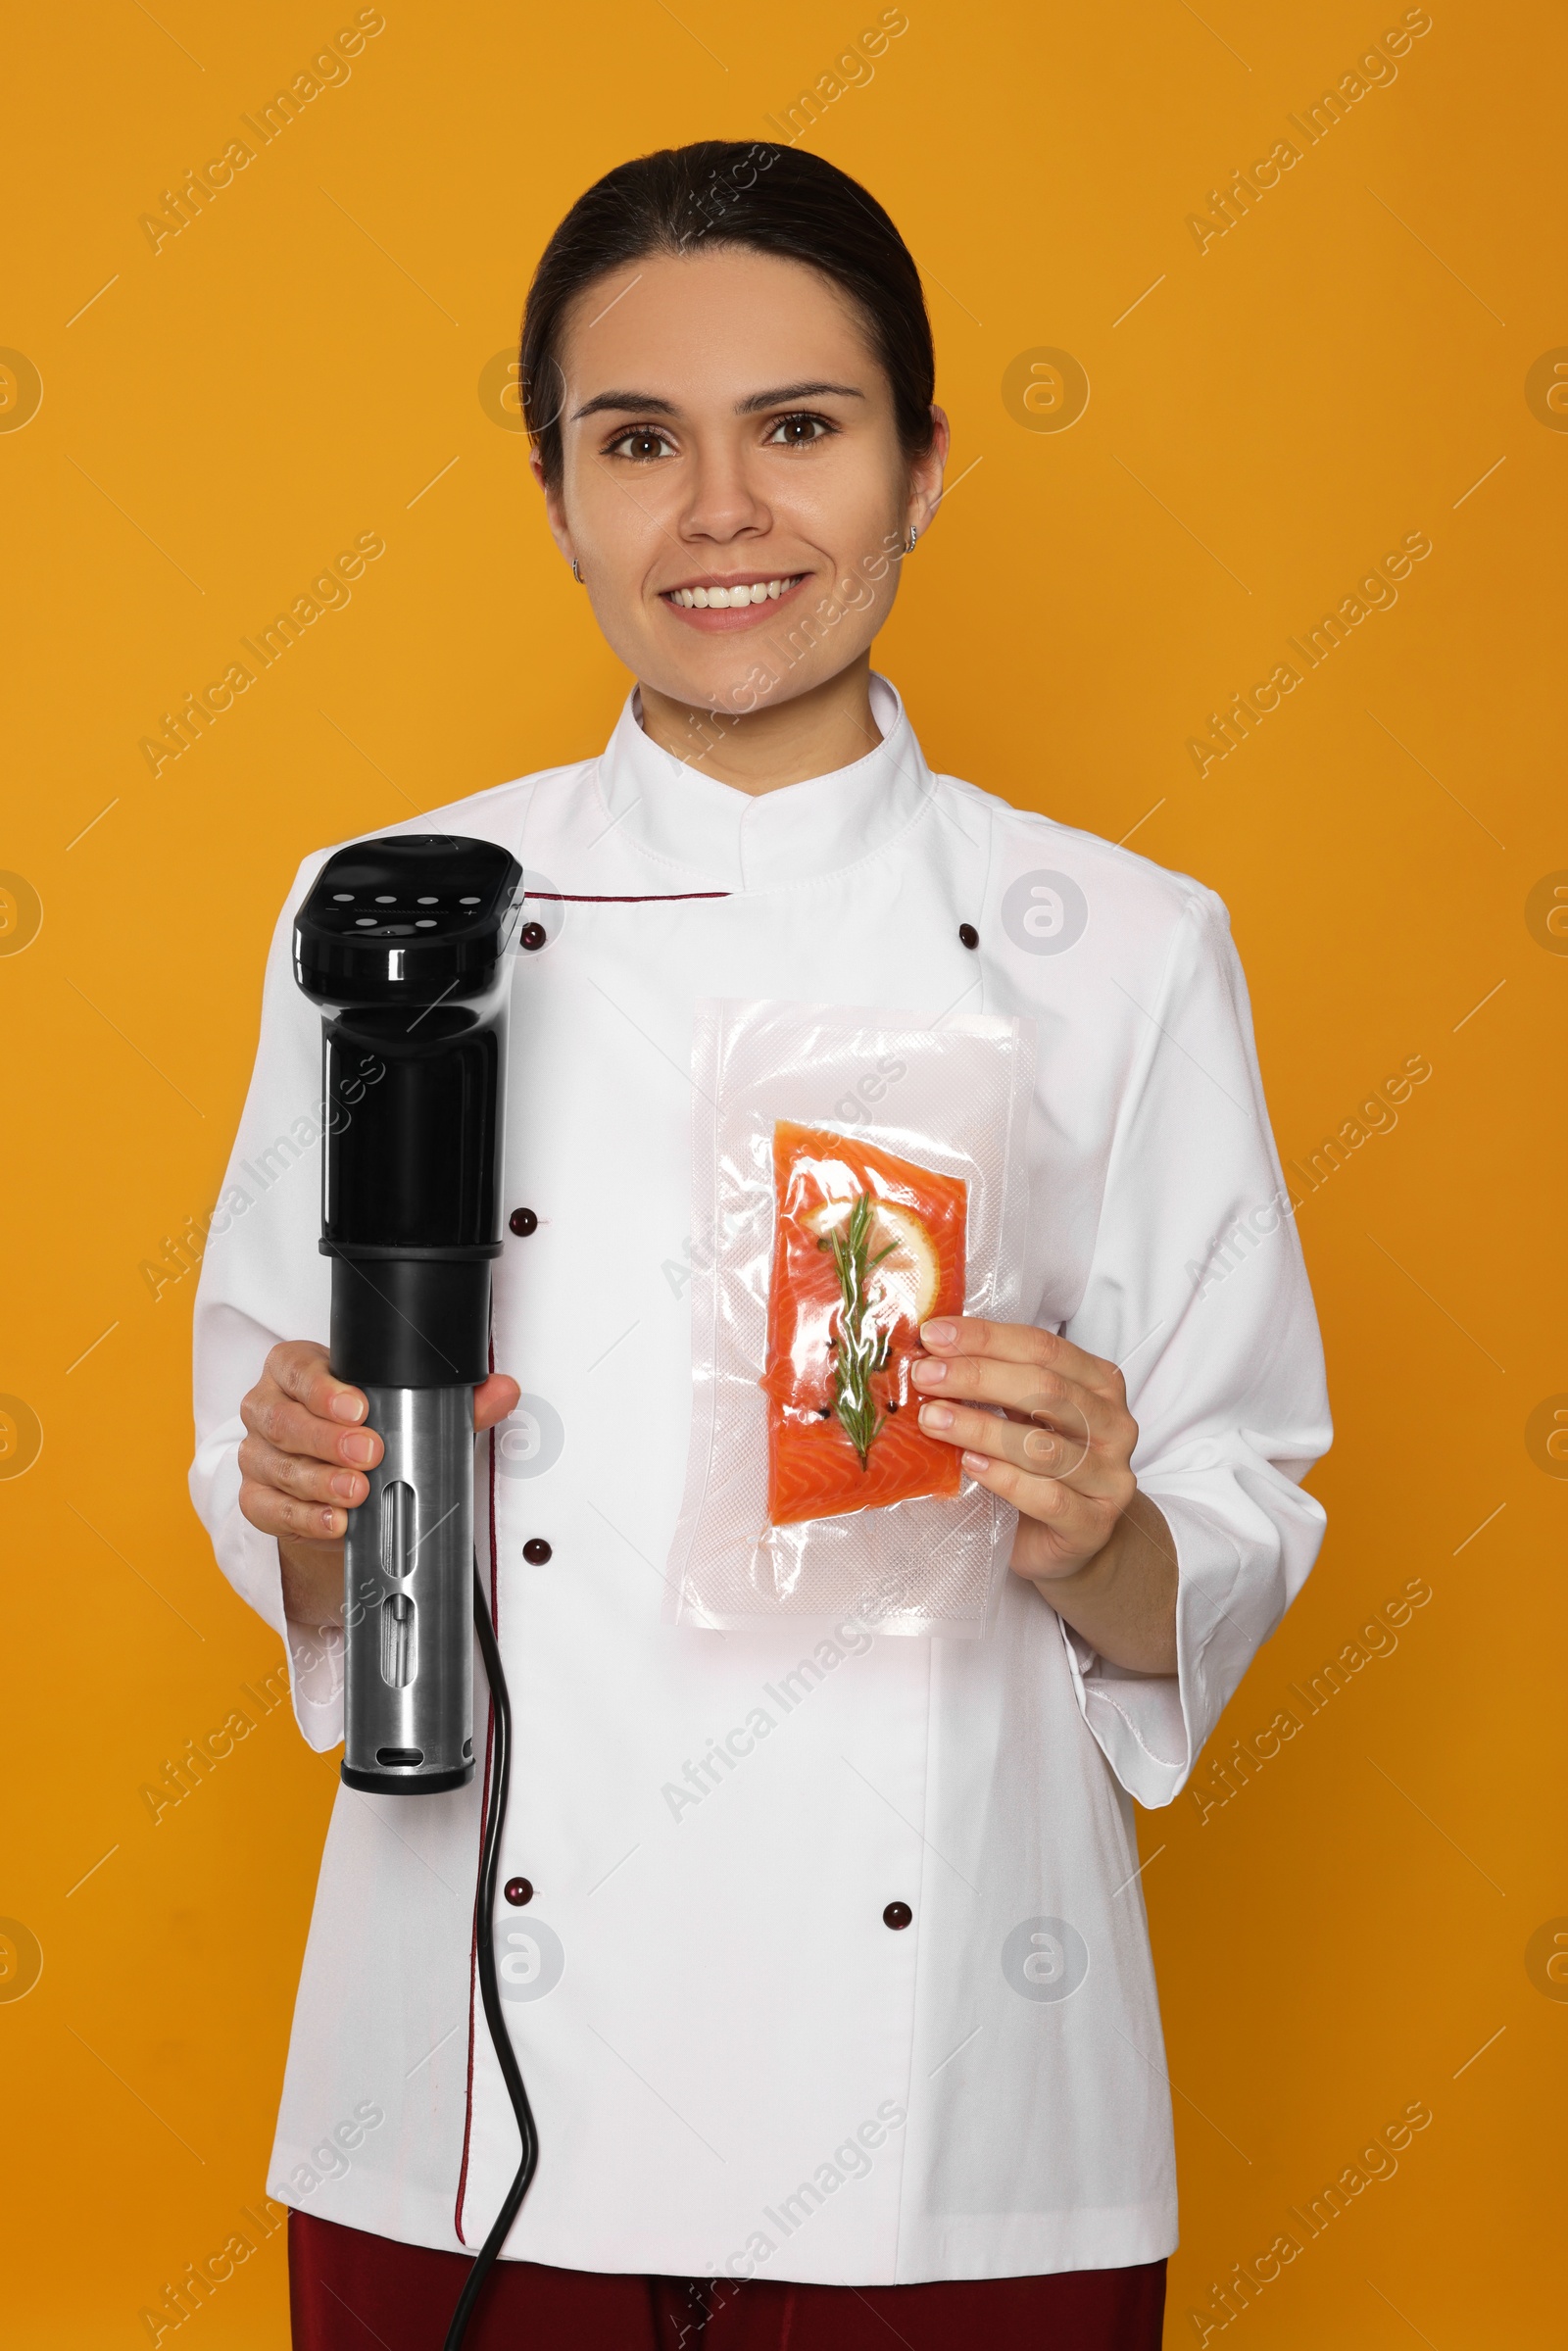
854	1175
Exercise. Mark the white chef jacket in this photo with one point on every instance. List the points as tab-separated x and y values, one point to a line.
736	2065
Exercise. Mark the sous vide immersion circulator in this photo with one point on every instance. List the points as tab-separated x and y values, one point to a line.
405	944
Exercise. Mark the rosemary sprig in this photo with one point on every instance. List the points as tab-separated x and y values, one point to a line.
860	1347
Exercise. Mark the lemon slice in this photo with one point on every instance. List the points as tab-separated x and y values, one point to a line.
908	1277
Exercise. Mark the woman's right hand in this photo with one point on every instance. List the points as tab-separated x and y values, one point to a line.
303	1464
302	1469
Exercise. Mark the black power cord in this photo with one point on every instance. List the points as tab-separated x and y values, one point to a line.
489	1988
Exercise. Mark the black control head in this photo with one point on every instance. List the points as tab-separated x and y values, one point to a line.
418	918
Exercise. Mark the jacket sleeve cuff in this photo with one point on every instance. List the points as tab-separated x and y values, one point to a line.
1234	1582
249	1559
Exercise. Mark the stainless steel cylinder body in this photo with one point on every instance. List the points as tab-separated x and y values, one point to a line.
408	1573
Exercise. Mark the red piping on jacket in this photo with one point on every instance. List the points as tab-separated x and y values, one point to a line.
613	897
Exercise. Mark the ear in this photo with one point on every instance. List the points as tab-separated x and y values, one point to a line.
925	475
554	507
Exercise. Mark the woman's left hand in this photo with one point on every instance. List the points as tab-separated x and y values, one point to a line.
1062	1453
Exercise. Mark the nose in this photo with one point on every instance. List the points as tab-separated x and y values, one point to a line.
722	501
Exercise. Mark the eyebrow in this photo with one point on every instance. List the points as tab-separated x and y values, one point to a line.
649	404
802	391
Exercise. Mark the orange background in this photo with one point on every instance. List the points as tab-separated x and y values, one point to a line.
1267	419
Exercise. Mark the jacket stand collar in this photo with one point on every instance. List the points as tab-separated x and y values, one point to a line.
701	830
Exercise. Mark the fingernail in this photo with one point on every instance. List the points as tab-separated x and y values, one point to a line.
940	1334
926	1374
329	1522
347	1485
935	1416
977	1461
357	1448
347	1405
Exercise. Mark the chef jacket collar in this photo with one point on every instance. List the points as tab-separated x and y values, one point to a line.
708	832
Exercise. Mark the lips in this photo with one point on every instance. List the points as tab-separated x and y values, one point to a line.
719	607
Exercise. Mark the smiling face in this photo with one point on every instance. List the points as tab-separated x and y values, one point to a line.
733	487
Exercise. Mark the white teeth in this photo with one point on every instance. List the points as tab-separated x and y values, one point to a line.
724	600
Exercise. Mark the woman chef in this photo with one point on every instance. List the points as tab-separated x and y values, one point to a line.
858	2045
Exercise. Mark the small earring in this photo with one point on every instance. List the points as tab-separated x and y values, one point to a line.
913	534
575	573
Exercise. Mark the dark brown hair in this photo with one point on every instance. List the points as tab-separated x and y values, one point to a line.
721	192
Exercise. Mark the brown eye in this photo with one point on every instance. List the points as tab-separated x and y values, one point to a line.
799	432
641	444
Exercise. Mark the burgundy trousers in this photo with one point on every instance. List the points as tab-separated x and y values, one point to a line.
349	2291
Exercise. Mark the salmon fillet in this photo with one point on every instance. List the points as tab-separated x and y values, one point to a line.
866	1248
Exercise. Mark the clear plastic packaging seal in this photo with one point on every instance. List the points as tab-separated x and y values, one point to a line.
854	1174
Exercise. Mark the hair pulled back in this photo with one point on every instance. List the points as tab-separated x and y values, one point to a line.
724	192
